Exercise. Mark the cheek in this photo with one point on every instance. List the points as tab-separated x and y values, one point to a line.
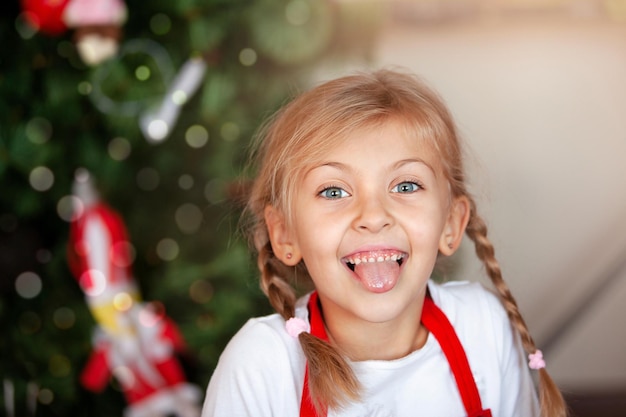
427	227
318	238
426	234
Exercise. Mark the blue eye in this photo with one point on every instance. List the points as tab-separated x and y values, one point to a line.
406	187
333	193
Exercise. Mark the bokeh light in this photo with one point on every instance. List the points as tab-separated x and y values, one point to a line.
188	218
148	179
25	29
59	365
64	318
84	88
28	285
38	130
122	301
247	57
185	182
45	396
142	73
201	291
167	249
41	178
69	208
93	282
298	12
160	24
123	254
82	174
179	97
151	313
196	136
119	148
158	130
43	256
230	131
214	191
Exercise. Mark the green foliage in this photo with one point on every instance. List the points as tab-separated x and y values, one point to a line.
58	113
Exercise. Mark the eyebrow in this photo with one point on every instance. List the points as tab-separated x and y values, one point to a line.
408	161
399	164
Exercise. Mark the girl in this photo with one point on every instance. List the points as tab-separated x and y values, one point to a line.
360	189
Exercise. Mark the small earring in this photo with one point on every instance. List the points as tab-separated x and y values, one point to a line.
288	255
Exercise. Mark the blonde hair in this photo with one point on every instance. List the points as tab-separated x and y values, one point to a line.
306	128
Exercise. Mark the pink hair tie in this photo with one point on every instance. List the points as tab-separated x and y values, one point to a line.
535	360
295	326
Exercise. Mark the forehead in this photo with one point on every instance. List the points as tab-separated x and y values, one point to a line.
389	137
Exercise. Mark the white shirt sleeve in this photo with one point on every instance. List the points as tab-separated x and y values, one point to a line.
255	375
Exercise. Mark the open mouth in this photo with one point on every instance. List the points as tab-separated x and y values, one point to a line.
378	271
374	257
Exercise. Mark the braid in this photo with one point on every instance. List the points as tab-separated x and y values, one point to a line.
331	379
280	294
477	231
550	397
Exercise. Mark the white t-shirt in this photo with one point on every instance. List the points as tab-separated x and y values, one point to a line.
261	371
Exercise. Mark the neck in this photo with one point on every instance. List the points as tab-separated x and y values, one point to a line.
361	340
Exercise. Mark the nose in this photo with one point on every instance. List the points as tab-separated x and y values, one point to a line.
373	214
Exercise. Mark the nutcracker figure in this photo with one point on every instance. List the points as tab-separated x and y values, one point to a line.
135	342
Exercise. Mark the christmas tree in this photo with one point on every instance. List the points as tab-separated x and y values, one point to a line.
160	114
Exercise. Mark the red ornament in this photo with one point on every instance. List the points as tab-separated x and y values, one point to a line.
135	341
45	15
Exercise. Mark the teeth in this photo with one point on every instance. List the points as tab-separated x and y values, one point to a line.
356	260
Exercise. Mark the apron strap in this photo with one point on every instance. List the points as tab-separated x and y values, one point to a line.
307	409
438	324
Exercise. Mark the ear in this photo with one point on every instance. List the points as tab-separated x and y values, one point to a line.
454	228
283	242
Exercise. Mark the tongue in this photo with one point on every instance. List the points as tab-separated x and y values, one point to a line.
378	276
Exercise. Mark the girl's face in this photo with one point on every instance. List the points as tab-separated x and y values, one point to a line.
369	221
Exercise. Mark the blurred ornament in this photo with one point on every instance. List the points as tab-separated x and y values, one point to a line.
96	24
105	95
135	341
45	16
97	27
156	125
32	391
292	32
150	60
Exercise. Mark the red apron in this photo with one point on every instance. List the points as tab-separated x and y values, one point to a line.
438	324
